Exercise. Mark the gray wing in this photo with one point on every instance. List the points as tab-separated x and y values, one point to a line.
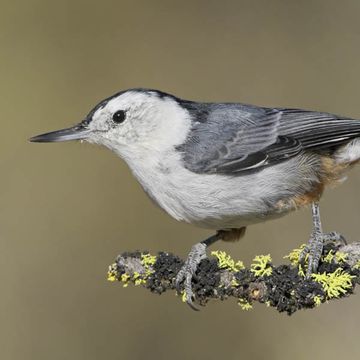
233	138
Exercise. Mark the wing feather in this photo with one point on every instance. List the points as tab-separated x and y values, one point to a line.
234	138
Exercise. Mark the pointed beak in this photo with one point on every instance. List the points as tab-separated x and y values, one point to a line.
77	132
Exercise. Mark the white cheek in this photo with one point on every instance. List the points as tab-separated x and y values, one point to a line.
153	126
152	129
164	126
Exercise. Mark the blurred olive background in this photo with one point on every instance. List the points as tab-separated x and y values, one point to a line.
66	210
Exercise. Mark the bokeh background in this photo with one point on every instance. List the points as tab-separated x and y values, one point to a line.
66	210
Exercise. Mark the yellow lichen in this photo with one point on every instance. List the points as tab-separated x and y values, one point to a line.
137	278
329	257
317	300
234	283
294	256
111	276
226	262
261	265
301	271
183	296
112	273
341	257
148	260
148	272
334	284
244	304
125	278
357	265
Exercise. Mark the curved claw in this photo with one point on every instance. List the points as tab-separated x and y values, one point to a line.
314	250
335	236
179	279
191	304
186	273
303	254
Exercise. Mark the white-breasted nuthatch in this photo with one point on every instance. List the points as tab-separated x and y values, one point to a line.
223	166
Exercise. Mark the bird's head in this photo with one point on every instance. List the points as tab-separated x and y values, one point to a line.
132	121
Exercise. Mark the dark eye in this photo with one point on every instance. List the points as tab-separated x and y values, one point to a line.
119	116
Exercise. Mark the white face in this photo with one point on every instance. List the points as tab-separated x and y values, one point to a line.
139	122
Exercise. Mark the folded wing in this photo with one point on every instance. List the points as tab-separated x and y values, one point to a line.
234	138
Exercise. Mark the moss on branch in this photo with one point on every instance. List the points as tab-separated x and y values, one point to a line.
283	287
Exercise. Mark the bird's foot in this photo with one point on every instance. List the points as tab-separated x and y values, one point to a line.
187	272
314	249
334	237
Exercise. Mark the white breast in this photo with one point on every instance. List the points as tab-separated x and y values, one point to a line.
219	201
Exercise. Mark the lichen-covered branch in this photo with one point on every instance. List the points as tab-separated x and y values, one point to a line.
220	277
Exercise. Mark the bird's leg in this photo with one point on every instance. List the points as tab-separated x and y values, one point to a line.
186	273
317	239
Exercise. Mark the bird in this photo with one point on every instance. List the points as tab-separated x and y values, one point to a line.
223	166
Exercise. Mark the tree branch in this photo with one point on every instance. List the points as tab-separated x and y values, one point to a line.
220	277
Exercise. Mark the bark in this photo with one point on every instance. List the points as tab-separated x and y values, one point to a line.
218	277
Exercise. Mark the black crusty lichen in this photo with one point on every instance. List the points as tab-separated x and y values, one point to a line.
283	287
